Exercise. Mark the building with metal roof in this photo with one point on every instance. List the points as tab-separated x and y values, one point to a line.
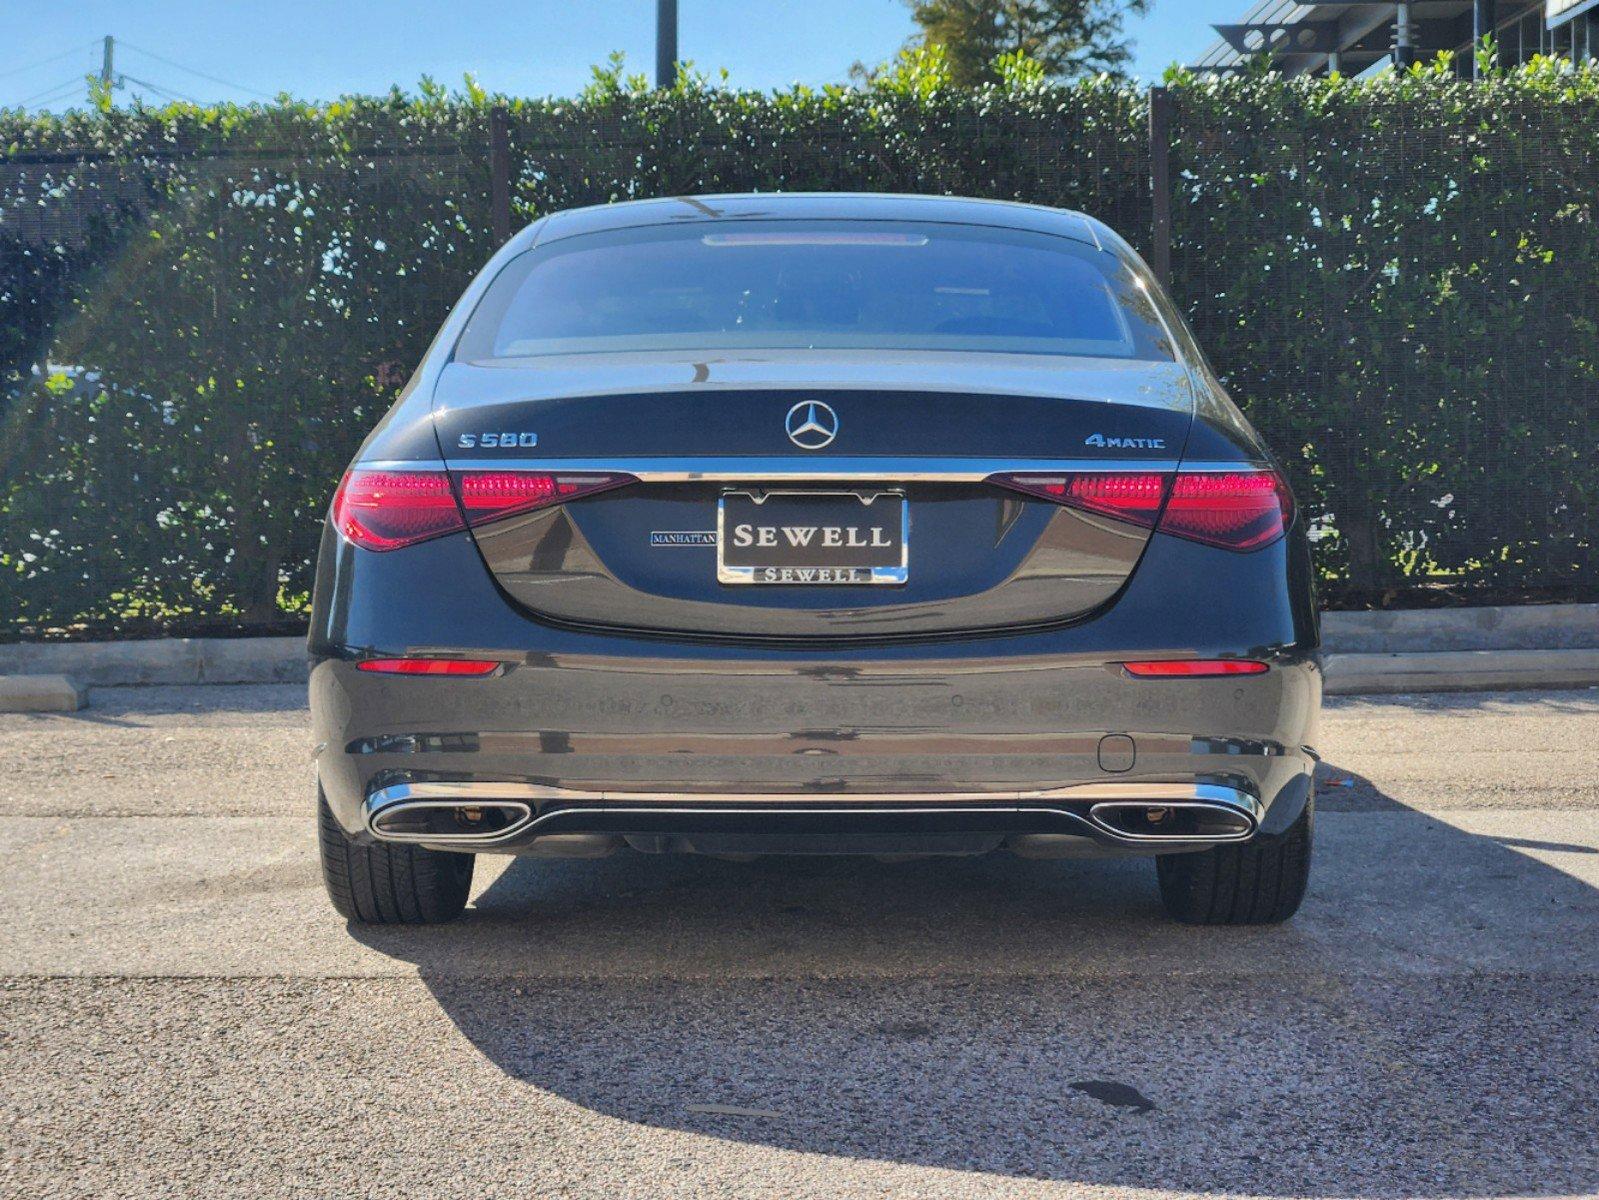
1310	37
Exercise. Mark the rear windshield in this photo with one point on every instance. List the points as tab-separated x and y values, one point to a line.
835	285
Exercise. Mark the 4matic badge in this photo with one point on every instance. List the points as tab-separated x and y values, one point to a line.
1124	443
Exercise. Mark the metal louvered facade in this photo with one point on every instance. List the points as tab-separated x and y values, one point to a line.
1316	37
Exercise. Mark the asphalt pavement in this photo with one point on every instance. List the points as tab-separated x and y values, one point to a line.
182	1014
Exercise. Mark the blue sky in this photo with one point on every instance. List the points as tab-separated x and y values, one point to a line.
524	47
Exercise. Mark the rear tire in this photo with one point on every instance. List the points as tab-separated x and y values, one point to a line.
390	883
1260	882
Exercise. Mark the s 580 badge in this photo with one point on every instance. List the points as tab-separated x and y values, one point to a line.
497	441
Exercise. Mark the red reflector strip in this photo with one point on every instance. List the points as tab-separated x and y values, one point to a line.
1194	668
429	666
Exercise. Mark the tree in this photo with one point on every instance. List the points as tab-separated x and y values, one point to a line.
1069	38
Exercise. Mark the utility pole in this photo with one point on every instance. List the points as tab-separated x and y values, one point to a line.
106	75
1404	36
665	43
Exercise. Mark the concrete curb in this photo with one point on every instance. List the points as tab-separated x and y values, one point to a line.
162	660
1446	649
1434	630
1460	671
39	693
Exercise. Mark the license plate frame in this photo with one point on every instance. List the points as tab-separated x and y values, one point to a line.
772	573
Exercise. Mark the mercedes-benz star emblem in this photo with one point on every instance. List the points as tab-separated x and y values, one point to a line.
811	424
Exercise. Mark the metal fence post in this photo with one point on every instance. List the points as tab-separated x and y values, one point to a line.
500	173
1160	113
1484	24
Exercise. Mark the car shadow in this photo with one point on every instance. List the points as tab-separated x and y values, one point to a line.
1423	1028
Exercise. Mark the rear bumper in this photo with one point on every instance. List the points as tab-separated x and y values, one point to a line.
942	746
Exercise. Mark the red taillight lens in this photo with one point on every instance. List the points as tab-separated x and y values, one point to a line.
384	510
490	495
1133	498
1236	510
1130	496
1194	668
429	666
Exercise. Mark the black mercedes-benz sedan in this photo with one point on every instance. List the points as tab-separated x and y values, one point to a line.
815	524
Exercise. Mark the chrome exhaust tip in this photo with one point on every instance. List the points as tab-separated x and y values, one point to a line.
471	822
1173	821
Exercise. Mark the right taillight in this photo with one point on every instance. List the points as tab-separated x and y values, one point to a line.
1133	496
1236	510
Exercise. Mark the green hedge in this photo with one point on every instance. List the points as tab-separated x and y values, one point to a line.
1400	283
1397	279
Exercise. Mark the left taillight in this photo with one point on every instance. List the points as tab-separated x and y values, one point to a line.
385	510
491	495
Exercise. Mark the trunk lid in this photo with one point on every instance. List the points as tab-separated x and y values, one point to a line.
906	442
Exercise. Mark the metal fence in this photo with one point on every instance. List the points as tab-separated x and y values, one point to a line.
197	325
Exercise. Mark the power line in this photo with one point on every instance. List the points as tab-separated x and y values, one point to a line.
123	42
41	62
59	90
47	95
158	89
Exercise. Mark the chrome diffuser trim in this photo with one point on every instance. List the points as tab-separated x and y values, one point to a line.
723	810
449	793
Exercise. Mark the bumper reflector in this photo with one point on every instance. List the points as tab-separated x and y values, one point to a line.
1194	668
429	666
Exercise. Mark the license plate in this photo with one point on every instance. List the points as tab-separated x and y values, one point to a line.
812	538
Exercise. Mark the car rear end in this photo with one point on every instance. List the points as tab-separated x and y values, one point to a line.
745	533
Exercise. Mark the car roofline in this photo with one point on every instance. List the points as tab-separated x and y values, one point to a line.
747	206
